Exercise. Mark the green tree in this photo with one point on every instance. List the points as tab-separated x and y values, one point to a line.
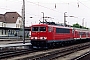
79	26
76	25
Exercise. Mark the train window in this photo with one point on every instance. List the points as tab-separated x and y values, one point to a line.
62	30
42	28
38	28
50	29
35	28
81	33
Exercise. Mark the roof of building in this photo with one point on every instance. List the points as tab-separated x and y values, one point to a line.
11	17
2	18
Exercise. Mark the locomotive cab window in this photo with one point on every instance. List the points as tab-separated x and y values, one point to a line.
39	29
42	28
35	28
62	30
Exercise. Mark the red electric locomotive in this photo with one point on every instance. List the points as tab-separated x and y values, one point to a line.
50	34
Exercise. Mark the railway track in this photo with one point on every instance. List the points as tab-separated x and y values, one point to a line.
12	53
49	54
52	55
83	56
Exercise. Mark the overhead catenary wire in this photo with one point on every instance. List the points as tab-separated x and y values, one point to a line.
48	7
40	6
83	4
53	9
44	7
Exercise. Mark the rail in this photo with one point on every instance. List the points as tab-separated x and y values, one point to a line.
13	53
81	56
59	53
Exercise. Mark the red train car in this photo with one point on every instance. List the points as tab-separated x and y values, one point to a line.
43	35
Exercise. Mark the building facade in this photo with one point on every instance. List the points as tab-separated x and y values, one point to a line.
11	24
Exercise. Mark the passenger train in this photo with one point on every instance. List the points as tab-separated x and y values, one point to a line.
50	34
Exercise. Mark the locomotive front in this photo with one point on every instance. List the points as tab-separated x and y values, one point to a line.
40	34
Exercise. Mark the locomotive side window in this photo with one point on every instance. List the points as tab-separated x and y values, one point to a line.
38	29
81	33
62	30
50	29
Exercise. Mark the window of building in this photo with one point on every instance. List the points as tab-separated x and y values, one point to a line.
62	30
19	21
12	31
2	32
5	32
2	24
16	25
20	25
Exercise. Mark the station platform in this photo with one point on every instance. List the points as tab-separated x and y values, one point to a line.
15	45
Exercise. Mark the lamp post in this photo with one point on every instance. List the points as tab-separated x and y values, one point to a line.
43	16
23	18
83	22
65	18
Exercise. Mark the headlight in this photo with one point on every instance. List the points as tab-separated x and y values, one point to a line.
33	37
43	38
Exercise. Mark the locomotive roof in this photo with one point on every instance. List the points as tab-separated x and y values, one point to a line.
60	26
78	29
52	26
40	25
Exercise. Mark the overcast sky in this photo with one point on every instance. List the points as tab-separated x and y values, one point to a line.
55	9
